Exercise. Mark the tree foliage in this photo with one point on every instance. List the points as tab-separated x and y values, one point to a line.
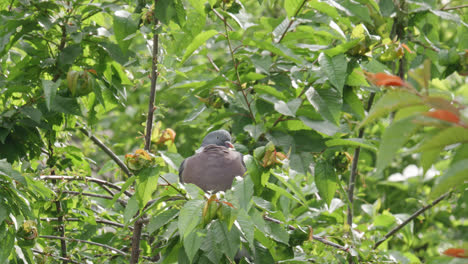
352	117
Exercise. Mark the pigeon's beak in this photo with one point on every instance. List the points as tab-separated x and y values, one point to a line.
228	144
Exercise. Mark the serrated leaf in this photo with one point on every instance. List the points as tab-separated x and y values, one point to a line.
192	243
455	176
351	99
288	109
351	142
246	226
322	126
161	219
147	184
449	136
199	40
389	102
50	89
335	69
325	180
265	89
124	26
327	102
394	137
292	6
131	209
243	190
255	131
190	216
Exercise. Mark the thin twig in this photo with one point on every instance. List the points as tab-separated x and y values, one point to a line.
222	18
138	225
98	220
291	21
453	7
352	178
86	242
414	215
107	197
54	256
78	178
239	83
107	150
318	238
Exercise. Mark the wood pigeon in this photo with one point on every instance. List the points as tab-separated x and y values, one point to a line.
214	165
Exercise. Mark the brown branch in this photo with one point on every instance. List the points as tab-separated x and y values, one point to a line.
414	215
138	225
107	150
78	178
86	242
222	18
98	220
453	7
239	83
352	178
291	21
318	238
54	256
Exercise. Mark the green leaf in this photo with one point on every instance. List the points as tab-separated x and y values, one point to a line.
394	137
255	131
131	209
391	101
265	89
288	109
448	136
199	5
50	89
351	99
69	54
246	226
327	102
8	243
243	190
192	243
278	233
190	216
66	105
455	176
124	187
351	142
161	219
291	186
292	7
324	7
325	180
321	126
342	48
124	27
335	69
197	42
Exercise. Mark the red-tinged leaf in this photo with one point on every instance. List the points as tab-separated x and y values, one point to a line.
406	47
456	252
444	115
92	71
229	204
384	79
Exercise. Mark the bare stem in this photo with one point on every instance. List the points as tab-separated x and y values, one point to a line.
239	83
107	150
354	170
86	242
318	238
54	256
78	178
291	21
453	7
414	215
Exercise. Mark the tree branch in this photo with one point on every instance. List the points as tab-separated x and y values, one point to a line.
414	215
318	238
107	150
138	226
352	178
78	178
453	7
291	21
98	220
86	242
54	256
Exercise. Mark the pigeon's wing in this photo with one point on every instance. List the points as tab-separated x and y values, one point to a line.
181	170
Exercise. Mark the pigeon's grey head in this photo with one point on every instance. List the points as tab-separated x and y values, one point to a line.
219	137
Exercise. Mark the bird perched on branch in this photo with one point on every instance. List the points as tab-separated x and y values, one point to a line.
214	165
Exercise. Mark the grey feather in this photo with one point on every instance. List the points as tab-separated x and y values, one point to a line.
214	166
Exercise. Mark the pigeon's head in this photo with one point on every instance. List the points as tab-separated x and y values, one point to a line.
219	137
